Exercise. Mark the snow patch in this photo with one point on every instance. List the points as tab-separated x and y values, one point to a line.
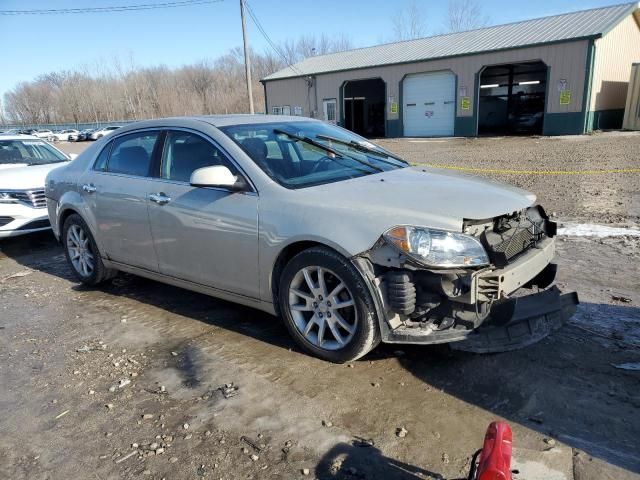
610	321
593	230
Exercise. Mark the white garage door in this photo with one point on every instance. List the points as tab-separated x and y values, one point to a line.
429	104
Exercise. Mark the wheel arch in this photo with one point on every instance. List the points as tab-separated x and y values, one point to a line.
287	253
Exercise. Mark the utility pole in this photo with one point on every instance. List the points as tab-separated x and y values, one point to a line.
247	60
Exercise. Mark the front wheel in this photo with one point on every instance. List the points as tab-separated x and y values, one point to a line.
327	307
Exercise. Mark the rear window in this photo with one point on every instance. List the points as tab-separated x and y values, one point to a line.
131	154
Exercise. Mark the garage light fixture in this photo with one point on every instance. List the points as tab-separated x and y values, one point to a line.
493	85
530	82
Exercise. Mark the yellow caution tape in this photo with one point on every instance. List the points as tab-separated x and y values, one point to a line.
532	172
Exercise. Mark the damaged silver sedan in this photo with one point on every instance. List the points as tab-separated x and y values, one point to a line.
348	243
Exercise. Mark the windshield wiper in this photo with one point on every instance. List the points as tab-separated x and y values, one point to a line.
362	148
321	146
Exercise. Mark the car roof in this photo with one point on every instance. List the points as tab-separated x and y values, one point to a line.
217	120
19	137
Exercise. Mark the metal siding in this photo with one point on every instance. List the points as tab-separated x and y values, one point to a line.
566	60
290	91
615	53
558	28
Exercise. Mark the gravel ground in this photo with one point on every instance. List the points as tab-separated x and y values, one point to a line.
596	196
128	380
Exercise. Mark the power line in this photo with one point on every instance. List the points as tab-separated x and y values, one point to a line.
268	39
112	8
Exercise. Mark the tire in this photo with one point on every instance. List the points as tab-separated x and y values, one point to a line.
308	306
76	232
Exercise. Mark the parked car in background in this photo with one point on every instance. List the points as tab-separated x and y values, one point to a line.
102	132
42	133
25	161
348	243
62	135
84	134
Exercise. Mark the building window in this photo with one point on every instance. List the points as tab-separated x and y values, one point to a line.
276	110
297	111
286	110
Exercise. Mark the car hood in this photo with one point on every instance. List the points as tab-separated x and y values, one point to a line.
417	193
21	177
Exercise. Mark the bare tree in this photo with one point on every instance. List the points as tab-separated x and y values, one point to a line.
465	15
108	91
409	23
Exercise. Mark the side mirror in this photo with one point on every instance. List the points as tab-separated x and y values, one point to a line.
73	156
217	176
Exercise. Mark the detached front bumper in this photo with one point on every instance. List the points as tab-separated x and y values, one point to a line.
519	322
475	309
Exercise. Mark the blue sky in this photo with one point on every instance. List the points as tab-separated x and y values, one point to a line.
36	44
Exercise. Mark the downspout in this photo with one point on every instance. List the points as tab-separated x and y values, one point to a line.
264	87
588	83
315	92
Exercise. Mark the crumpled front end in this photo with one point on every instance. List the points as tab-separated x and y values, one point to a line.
483	309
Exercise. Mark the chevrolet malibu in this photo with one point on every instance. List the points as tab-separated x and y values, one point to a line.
345	241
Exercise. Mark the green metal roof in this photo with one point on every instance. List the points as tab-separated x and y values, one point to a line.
569	26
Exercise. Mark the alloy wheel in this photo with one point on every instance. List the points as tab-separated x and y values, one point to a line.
79	248
322	308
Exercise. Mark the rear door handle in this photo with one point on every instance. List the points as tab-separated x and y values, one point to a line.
89	187
159	198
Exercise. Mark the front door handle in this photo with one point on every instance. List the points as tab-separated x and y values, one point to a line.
89	187
159	198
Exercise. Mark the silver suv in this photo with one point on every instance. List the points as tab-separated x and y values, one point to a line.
348	243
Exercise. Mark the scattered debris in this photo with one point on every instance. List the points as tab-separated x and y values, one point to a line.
175	354
62	414
173	459
362	442
91	348
375	384
228	390
109	406
401	432
536	419
251	443
128	455
627	366
305	471
620	298
22	273
445	458
147	416
185	426
123	383
550	441
255	457
327	424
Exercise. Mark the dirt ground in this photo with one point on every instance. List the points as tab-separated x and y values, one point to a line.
128	380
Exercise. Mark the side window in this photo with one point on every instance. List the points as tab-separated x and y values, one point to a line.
131	154
101	161
185	152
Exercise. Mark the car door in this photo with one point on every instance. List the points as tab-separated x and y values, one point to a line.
204	235
116	190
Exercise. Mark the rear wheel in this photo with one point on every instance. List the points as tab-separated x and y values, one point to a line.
327	307
82	252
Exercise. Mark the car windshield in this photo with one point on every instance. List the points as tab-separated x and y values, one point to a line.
303	154
31	152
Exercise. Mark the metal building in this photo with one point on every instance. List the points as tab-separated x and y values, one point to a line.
565	74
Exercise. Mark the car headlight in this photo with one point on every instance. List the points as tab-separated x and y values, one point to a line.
438	248
5	197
